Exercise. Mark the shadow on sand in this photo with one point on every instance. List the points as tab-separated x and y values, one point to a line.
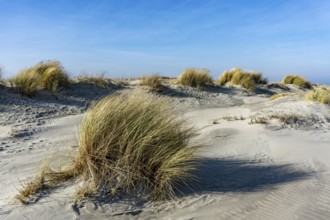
229	175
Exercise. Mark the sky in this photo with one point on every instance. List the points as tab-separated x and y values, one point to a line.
129	38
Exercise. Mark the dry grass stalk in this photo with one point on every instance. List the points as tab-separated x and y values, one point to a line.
195	77
284	118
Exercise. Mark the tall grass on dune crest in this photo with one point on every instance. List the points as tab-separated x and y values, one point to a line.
26	82
133	145
53	75
237	76
195	77
153	82
319	95
48	75
298	81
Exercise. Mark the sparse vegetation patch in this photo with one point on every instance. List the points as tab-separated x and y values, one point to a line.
97	80
153	82
279	95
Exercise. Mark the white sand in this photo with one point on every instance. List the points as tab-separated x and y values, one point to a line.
248	171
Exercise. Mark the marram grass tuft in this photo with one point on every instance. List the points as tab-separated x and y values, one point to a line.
195	77
131	145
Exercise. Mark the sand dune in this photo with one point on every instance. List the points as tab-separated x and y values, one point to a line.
278	170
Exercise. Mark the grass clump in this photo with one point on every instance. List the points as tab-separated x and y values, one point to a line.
298	81
246	79
195	77
52	75
320	95
133	145
48	75
153	82
26	82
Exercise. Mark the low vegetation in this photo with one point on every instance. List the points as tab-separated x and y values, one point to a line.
280	95
153	82
298	81
97	80
195	77
128	144
247	79
48	75
319	95
286	119
26	82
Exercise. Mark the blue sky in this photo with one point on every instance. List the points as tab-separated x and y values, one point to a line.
137	37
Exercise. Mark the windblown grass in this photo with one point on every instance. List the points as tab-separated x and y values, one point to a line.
153	82
45	179
129	144
298	81
52	75
246	79
195	77
320	95
49	75
25	82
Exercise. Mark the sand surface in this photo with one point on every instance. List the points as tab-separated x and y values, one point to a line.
278	170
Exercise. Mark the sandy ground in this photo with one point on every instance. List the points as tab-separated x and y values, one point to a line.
277	170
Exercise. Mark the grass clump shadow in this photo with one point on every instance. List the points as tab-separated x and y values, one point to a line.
153	82
49	75
130	145
237	76
319	95
195	77
298	81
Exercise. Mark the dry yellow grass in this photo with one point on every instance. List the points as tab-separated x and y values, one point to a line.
246	79
49	75
26	82
298	81
128	144
195	77
320	95
153	82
